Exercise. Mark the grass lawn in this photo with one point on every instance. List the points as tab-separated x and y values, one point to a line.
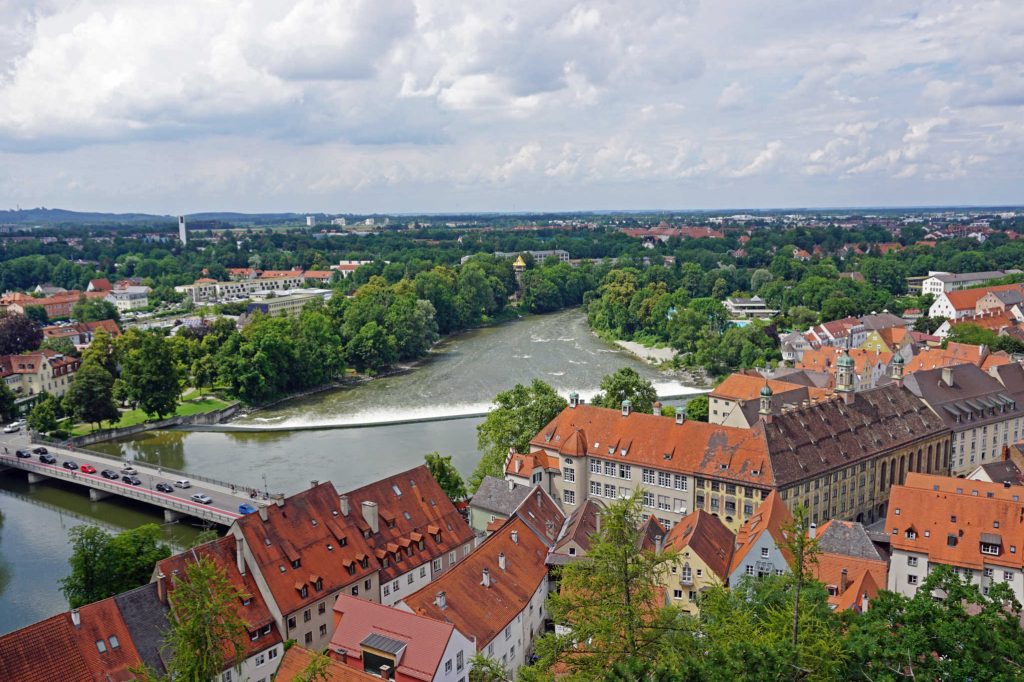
191	406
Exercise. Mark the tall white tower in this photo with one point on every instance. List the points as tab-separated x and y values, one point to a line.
182	232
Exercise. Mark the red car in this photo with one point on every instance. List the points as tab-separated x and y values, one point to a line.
88	469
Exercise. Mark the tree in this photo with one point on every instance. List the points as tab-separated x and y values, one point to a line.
446	475
37	314
518	414
483	669
149	372
626	384
18	334
43	417
94	310
609	601
103	565
372	348
60	345
697	408
804	552
8	403
317	670
102	352
90	397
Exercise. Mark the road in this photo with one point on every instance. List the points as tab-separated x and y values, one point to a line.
225	505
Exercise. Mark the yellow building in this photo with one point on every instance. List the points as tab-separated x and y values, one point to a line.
704	547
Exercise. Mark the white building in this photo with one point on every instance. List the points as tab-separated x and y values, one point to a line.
182	230
129	298
938	283
311	221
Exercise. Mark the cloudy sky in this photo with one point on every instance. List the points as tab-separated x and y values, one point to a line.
442	105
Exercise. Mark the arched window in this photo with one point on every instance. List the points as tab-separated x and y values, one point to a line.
882	487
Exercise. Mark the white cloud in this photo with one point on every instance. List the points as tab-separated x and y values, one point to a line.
561	104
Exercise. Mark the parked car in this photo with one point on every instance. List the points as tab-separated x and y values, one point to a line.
12	428
110	474
40	450
202	499
183	483
165	487
68	464
131	480
47	459
130	470
245	508
23	454
88	469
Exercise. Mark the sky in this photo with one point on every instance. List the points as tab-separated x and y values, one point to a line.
384	106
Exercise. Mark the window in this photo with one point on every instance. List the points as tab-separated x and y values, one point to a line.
687	575
609	491
1007	576
409	578
101	646
452	558
323	630
225	676
386	589
569	496
649	499
490	649
764	552
260	659
595	488
680	482
750	570
321	607
911	579
911	561
355	593
609	468
569	474
459	664
626	472
508	631
423	571
436	565
303	591
648	476
911	534
991	549
988	572
664	479
114	643
306	616
291	619
448	666
595	466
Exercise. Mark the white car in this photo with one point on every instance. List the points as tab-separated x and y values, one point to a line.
130	470
202	499
12	428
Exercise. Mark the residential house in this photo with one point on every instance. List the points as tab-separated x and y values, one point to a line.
749	308
497	596
869	365
983	410
793	346
998	301
574	539
296	662
415	532
57	306
129	298
81	334
955	305
495	501
760	548
101	284
850	565
395	644
975	527
41	371
263	644
704	547
1005	472
956	354
938	283
848	332
535	468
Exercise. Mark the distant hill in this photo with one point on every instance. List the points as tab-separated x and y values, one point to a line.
60	216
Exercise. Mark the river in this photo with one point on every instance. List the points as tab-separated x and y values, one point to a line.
328	436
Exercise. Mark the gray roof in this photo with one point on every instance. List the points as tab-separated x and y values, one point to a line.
1003	472
973	393
380	642
848	538
972	276
146	618
496	495
804	377
883	320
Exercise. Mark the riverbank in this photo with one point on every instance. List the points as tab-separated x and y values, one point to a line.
662	359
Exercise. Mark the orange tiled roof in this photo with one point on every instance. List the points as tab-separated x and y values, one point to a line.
824	359
523	464
865	584
747	387
968	298
941	510
297	658
707	537
480	611
769	517
318	274
953	354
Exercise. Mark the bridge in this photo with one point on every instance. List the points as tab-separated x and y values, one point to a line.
223	509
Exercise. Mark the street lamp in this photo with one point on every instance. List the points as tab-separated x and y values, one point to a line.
266	493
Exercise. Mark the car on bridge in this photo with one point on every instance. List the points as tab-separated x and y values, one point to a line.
68	464
246	508
23	454
131	480
47	459
12	428
110	474
40	450
130	470
165	487
202	499
88	469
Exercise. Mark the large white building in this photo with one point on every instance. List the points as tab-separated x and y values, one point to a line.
938	283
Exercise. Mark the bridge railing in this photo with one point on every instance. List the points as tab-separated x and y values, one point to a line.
198	510
64	445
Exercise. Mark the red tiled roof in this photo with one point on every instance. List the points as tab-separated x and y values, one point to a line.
770	517
318	274
296	659
864	585
747	387
953	354
523	464
101	284
941	510
425	638
707	537
483	612
968	298
541	514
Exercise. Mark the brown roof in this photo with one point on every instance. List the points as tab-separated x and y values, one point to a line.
408	503
769	517
542	514
707	537
479	611
256	615
310	527
577	529
297	658
951	517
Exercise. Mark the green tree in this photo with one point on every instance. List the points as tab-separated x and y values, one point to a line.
928	325
626	384
94	310
609	601
37	314
103	565
446	475
697	408
90	398
483	669
518	414
60	345
804	552
8	403
149	371
372	348
102	352
317	670
43	417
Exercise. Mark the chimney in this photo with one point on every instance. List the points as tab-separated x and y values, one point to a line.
511	485
486	581
680	415
501	561
76	618
515	537
574	399
161	588
263	512
864	603
842	581
343	499
658	543
813	530
279	501
441	601
657	408
627	406
519	464
240	554
314	483
370	516
385	672
947	376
